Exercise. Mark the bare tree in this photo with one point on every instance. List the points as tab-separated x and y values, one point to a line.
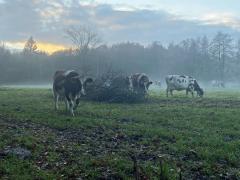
221	48
83	38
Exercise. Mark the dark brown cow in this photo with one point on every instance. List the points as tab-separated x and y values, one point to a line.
69	86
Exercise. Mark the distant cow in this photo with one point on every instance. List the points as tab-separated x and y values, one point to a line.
69	86
139	82
218	84
158	83
181	82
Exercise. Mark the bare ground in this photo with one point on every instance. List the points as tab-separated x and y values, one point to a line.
99	143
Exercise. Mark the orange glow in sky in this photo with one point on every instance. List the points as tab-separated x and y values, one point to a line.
42	46
49	47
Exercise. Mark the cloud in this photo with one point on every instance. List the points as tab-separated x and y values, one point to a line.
226	19
46	21
17	19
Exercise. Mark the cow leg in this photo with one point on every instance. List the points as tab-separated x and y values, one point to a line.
66	104
186	92
167	92
71	107
171	92
70	102
192	93
56	98
76	103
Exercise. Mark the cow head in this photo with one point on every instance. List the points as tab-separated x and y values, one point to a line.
197	88
82	88
85	83
200	92
144	82
148	84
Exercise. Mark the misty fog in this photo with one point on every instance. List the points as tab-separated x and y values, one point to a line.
201	58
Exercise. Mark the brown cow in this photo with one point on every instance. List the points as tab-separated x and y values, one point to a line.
69	86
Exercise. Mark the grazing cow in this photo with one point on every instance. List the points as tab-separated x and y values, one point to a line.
69	86
139	82
218	84
181	82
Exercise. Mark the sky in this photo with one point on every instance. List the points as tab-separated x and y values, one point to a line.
115	20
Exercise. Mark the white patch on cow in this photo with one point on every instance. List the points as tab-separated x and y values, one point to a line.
83	90
130	82
140	76
145	86
56	98
66	104
71	105
68	72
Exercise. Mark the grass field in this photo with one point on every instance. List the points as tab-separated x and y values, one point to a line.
199	137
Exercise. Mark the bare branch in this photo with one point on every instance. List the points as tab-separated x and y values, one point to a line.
83	38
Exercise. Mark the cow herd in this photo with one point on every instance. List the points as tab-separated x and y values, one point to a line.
70	86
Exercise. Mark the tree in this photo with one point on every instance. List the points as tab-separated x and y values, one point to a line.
205	64
82	38
221	49
204	46
238	51
30	46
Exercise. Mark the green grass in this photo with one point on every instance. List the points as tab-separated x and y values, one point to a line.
200	136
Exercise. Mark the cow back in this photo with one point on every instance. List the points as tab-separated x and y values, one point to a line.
71	74
179	82
58	74
58	79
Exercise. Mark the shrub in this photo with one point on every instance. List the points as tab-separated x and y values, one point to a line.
112	87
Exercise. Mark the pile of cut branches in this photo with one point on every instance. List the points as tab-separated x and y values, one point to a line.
113	87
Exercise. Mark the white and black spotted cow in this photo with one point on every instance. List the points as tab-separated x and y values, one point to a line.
69	86
181	82
139	82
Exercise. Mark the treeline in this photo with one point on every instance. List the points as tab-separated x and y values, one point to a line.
206	59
